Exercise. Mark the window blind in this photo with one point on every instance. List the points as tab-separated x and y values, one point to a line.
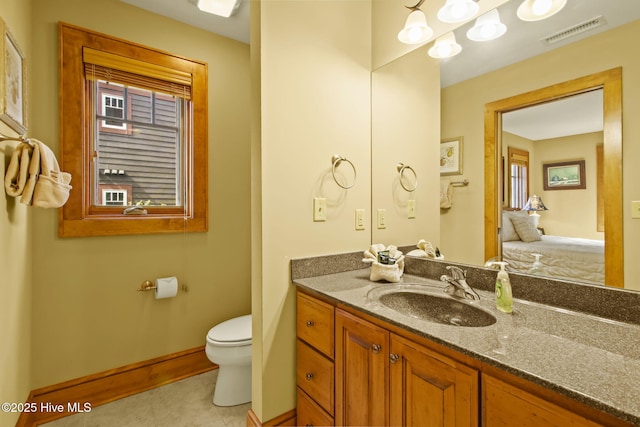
99	65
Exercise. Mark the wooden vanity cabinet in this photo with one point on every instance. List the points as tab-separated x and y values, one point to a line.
367	373
429	389
315	367
504	405
362	372
384	379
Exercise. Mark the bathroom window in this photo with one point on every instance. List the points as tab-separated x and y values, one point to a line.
518	177
133	132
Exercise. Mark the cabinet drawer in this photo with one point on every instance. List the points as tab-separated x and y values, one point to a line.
315	376
315	323
309	414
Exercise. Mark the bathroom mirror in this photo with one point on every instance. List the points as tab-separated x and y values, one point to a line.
610	82
463	229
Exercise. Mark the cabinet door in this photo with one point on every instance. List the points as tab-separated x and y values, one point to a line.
428	389
362	372
504	405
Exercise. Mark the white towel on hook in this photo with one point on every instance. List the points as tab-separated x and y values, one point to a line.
34	175
16	175
51	185
446	194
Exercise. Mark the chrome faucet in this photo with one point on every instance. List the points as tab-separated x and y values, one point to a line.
458	285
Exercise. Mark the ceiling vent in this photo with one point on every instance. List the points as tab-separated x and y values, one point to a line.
592	23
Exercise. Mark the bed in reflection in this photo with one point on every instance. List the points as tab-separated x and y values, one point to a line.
565	258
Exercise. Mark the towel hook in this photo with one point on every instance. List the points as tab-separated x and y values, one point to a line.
401	167
336	160
21	138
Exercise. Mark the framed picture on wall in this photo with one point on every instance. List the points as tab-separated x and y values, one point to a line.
451	156
13	110
564	175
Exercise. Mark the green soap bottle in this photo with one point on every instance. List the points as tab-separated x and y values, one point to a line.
504	298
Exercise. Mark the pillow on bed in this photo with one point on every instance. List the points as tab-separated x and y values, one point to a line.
508	232
525	228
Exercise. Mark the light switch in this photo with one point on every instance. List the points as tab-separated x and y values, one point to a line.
382	218
635	209
411	205
359	219
319	209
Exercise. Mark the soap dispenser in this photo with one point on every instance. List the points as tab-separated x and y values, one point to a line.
536	268
504	298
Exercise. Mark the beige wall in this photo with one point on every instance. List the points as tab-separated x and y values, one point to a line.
85	305
406	129
315	102
562	218
571	213
462	226
15	253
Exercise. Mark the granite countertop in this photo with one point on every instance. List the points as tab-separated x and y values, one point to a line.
588	358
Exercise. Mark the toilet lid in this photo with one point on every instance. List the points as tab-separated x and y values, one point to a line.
232	330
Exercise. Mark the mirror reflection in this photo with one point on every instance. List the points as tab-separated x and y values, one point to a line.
552	213
468	86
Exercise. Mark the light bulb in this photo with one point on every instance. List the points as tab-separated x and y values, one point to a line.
444	50
540	7
488	31
445	47
458	10
414	34
415	29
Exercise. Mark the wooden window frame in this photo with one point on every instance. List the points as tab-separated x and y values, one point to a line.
520	157
76	217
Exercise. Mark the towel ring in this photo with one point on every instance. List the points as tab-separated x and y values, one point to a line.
335	162
401	167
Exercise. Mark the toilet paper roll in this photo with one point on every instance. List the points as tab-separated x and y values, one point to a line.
166	287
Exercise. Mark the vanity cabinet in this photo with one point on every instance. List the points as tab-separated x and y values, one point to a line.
385	379
362	372
354	369
429	389
505	405
315	366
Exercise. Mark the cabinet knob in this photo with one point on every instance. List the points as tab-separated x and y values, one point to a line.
393	358
309	376
376	348
309	323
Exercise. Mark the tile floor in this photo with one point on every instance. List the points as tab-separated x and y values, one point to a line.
185	403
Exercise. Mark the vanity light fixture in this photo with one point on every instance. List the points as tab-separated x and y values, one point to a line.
487	27
445	47
537	10
224	8
416	30
458	11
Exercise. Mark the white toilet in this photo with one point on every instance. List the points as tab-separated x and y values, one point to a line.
229	346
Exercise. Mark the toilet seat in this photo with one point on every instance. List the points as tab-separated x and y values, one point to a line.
234	332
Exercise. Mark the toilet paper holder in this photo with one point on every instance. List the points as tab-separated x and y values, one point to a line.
148	285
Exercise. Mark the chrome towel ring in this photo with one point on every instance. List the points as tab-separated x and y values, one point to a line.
336	160
401	167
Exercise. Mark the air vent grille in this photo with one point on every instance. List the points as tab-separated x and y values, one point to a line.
592	23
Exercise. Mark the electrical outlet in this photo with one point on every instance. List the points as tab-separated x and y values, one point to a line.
635	209
382	218
319	209
359	219
411	205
